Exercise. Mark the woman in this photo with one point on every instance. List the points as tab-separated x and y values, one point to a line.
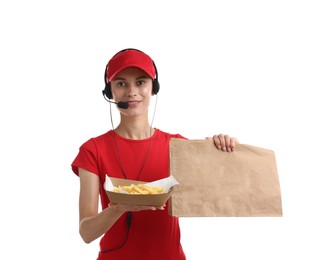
133	150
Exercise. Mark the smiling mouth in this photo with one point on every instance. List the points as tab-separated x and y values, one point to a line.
133	102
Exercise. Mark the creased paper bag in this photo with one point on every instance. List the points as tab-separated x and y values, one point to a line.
212	183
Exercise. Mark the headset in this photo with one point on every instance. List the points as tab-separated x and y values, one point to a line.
107	90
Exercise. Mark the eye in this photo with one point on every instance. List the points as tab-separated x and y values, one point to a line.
140	82
120	84
143	81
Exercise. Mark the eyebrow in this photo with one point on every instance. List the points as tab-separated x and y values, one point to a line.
138	78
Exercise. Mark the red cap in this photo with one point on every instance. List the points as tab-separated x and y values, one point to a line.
130	58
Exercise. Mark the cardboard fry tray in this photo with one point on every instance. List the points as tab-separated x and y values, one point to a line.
136	199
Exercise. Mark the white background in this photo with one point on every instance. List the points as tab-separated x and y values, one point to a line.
252	69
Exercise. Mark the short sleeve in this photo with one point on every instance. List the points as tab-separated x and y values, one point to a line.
179	136
86	158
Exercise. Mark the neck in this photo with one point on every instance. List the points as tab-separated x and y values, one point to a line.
134	128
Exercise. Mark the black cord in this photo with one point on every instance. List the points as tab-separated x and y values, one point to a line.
128	222
129	219
129	214
149	142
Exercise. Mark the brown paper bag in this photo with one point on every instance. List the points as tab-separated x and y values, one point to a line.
213	183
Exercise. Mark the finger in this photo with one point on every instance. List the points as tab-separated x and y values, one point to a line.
217	142
234	143
141	207
127	207
151	208
221	138
228	143
112	205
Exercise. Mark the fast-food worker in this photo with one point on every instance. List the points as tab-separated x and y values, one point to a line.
133	150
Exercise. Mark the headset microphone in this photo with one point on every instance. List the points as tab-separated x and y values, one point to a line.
120	104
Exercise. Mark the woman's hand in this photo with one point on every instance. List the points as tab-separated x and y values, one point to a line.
224	142
126	207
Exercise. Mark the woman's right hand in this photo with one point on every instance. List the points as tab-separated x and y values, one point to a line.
92	223
131	207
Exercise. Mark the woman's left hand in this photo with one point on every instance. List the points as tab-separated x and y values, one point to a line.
224	142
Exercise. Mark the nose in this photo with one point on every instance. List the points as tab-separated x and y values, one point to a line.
132	90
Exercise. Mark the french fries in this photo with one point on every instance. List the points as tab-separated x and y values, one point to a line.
139	189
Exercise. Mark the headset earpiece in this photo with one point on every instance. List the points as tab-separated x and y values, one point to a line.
107	89
156	85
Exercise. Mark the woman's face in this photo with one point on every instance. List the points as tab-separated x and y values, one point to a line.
134	86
